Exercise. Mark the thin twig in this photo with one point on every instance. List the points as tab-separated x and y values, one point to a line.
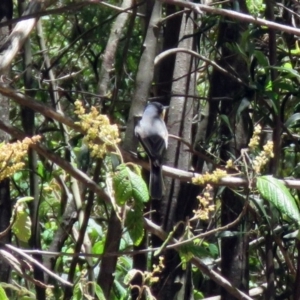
32	260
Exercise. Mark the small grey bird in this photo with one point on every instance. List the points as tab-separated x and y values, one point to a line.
152	133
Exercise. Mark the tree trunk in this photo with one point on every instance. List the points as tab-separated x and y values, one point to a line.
234	250
6	9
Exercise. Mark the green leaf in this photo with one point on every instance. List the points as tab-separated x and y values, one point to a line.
98	247
213	249
292	119
198	295
288	71
188	251
2	294
119	292
122	184
22	225
77	292
261	58
225	119
135	225
130	275
25	199
99	292
140	190
285	85
274	191
128	184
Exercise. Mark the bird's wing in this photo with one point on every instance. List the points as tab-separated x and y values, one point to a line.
153	136
154	146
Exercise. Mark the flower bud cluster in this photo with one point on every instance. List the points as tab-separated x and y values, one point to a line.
205	204
97	126
11	156
213	177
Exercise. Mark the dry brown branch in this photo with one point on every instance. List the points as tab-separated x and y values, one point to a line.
27	257
182	175
164	54
199	8
154	229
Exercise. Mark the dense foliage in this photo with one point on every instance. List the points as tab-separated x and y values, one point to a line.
76	221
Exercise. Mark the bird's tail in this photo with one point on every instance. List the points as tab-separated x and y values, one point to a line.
156	182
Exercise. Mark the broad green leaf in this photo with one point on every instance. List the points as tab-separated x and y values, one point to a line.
292	119
135	226
2	294
288	71
140	190
128	184
198	295
261	58
77	292
98	247
99	292
22	225
225	119
188	251
119	292
213	249
285	85
122	185
271	189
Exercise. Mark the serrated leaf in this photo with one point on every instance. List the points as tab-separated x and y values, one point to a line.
122	184
128	184
135	225
140	190
22	225
271	189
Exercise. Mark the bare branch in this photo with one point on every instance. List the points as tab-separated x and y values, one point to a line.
153	228
32	260
164	54
199	8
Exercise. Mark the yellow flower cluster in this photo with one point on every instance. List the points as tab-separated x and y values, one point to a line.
205	204
229	164
215	176
156	269
11	156
97	126
263	157
254	141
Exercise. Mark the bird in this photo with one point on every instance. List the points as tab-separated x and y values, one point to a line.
152	133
